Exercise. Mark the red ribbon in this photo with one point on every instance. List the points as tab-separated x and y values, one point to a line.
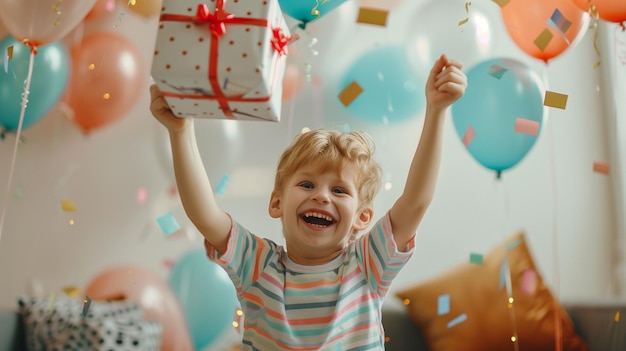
217	25
280	41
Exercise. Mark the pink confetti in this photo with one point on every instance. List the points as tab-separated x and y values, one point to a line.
526	126
468	136
529	282
142	195
601	167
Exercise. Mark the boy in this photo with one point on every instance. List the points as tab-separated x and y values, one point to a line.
324	291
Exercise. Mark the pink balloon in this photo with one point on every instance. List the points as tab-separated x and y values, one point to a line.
152	293
107	78
42	22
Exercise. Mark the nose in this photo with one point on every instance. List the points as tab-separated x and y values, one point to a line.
321	195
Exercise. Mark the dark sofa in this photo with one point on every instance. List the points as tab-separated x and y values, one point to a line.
595	322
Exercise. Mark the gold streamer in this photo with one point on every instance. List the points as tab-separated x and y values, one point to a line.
315	11
593	12
57	9
466	19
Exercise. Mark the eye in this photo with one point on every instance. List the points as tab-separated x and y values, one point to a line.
306	185
339	190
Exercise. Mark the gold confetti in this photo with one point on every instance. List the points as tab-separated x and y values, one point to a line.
616	318
68	205
57	9
10	52
132	2
544	39
376	17
501	3
556	100
350	93
406	301
71	291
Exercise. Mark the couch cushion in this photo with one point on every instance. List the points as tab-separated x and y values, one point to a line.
467	308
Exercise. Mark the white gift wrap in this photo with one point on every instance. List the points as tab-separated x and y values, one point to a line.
223	59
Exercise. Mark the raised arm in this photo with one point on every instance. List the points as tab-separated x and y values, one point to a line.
192	181
446	84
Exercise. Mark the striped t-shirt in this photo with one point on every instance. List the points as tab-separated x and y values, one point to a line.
335	306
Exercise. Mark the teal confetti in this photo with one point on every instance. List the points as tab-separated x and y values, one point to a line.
220	189
461	318
168	223
346	128
476	258
443	304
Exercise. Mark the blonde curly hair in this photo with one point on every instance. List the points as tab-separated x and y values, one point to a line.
334	149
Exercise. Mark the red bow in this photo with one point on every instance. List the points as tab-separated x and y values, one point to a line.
217	20
280	41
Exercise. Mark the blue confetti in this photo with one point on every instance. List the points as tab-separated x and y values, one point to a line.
443	304
168	223
220	189
457	320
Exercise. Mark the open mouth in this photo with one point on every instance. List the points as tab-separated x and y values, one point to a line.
318	219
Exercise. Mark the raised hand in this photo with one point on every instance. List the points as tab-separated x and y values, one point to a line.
446	83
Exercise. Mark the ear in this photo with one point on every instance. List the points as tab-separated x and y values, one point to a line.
363	219
275	208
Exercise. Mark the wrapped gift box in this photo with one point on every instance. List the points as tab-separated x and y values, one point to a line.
221	59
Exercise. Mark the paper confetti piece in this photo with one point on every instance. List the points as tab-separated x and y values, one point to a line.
556	100
526	126
461	318
466	19
513	244
476	258
501	3
68	205
86	305
443	304
71	291
10	52
220	188
53	298
503	273
497	71
543	39
168	223
559	22
529	282
346	128
468	136
616	317
601	167
350	93
377	17
142	195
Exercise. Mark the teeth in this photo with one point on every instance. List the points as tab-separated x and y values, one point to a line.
319	215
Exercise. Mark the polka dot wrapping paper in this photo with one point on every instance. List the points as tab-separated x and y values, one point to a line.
223	59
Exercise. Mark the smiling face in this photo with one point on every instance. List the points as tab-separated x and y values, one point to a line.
320	210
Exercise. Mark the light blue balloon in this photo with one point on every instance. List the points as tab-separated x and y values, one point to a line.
302	9
499	91
51	71
207	296
392	91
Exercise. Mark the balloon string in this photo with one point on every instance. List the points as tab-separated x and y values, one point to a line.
17	138
508	280
558	328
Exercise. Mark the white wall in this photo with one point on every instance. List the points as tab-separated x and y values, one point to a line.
471	211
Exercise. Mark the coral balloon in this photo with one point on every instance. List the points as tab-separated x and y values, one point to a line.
101	8
40	22
608	10
51	65
152	293
544	29
292	81
147	8
107	78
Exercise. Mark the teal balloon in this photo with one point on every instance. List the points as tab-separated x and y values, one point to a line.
49	78
499	91
392	91
303	10
207	295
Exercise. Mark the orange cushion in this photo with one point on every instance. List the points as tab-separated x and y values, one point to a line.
477	315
